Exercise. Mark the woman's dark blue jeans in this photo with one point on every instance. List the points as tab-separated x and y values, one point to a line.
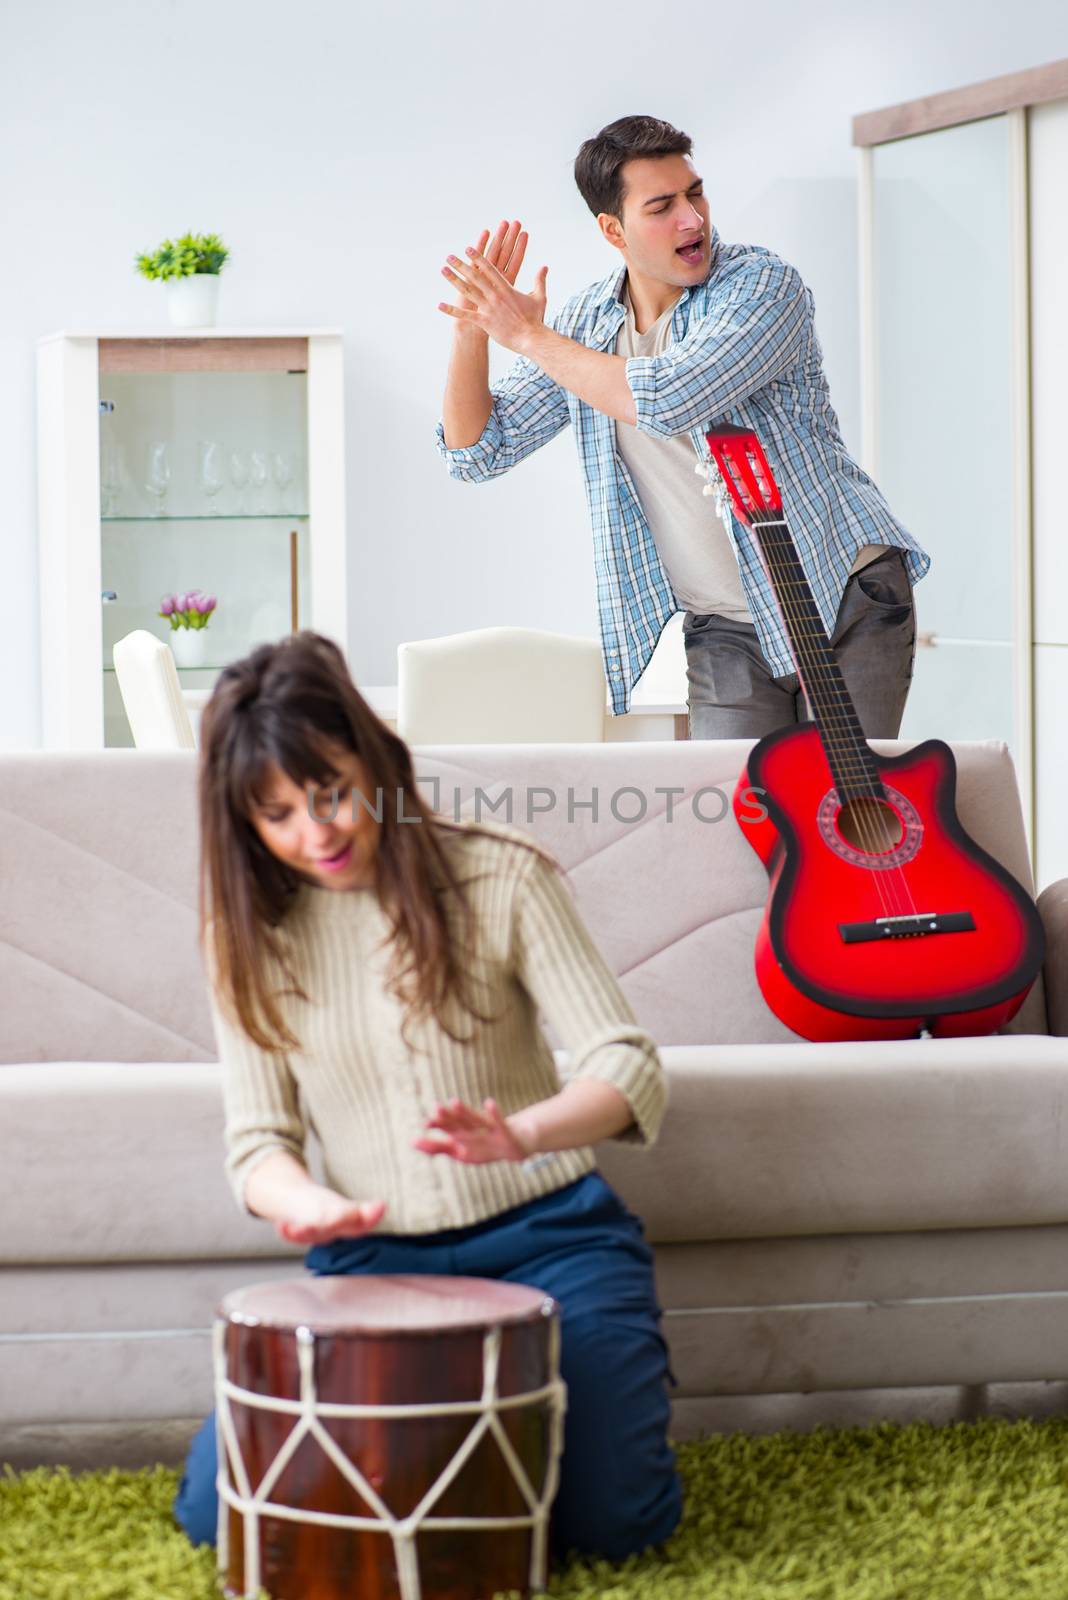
619	1491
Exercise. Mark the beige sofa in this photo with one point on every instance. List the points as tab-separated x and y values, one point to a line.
827	1219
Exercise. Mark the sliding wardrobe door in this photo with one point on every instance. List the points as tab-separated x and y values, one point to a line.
943	414
1049	446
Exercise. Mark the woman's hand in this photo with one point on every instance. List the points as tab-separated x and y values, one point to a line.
315	1215
473	1136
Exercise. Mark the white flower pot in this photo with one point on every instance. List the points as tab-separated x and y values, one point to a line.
189	646
193	301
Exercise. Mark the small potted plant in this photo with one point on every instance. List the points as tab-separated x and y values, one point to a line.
188	615
190	268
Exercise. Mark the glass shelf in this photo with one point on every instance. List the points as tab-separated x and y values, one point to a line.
249	516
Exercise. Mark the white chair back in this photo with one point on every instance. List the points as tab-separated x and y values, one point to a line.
501	686
151	694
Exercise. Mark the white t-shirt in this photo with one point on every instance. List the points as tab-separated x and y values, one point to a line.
690	539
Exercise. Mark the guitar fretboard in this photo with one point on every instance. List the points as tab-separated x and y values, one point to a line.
851	762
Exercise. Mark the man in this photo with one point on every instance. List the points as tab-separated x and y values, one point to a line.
689	331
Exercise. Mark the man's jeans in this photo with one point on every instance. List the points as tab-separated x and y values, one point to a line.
732	694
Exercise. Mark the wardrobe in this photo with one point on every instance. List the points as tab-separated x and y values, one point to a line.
964	346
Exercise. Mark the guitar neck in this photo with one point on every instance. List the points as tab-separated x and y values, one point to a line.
848	755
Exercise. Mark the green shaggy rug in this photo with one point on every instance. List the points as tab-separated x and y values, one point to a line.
976	1511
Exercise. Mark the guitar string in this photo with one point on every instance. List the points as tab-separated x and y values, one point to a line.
780	550
832	683
773	549
824	675
769	549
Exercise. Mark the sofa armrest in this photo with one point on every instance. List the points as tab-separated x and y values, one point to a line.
1053	908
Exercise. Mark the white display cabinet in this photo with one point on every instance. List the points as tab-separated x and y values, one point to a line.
211	460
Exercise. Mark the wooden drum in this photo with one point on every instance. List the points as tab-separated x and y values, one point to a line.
386	1437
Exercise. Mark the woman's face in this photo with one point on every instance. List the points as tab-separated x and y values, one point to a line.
333	847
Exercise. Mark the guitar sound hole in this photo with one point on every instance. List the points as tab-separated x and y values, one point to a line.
870	825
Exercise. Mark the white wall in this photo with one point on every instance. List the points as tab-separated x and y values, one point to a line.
343	148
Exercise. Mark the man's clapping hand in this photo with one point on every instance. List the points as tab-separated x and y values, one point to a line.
489	303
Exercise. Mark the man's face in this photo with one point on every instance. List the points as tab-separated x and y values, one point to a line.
664	208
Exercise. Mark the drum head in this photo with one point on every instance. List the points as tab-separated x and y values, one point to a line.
418	1303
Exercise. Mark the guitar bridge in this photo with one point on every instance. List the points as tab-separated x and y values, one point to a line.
917	925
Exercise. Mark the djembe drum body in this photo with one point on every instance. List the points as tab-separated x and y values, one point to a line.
392	1438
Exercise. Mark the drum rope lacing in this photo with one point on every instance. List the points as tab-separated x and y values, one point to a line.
254	1504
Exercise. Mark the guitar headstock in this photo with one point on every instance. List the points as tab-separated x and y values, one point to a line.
741	467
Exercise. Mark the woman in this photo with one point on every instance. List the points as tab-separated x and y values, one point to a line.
375	974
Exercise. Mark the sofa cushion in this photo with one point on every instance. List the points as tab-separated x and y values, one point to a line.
98	857
759	1141
118	1161
676	896
805	1139
98	954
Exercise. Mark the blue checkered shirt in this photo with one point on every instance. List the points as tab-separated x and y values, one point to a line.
744	351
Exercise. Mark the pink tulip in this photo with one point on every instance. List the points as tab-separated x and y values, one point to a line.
167	605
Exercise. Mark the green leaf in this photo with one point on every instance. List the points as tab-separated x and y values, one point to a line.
181	258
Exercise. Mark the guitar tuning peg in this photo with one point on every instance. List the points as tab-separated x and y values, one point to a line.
709	489
700	467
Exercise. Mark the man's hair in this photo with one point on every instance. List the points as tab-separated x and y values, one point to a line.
599	163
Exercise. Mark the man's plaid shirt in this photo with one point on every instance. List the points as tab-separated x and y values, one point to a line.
745	352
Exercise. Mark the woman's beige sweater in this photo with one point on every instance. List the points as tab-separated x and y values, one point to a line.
366	1094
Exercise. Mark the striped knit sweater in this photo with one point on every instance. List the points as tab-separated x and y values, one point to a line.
366	1094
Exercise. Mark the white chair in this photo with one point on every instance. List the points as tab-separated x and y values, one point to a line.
151	695
501	686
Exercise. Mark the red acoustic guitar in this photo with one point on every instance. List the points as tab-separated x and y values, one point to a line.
884	918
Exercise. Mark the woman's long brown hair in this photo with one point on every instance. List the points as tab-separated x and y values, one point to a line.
287	705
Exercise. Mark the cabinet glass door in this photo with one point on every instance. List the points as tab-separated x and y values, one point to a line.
204	487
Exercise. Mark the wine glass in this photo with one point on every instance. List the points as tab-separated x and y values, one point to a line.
239	478
257	467
111	476
282	473
158	474
211	472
